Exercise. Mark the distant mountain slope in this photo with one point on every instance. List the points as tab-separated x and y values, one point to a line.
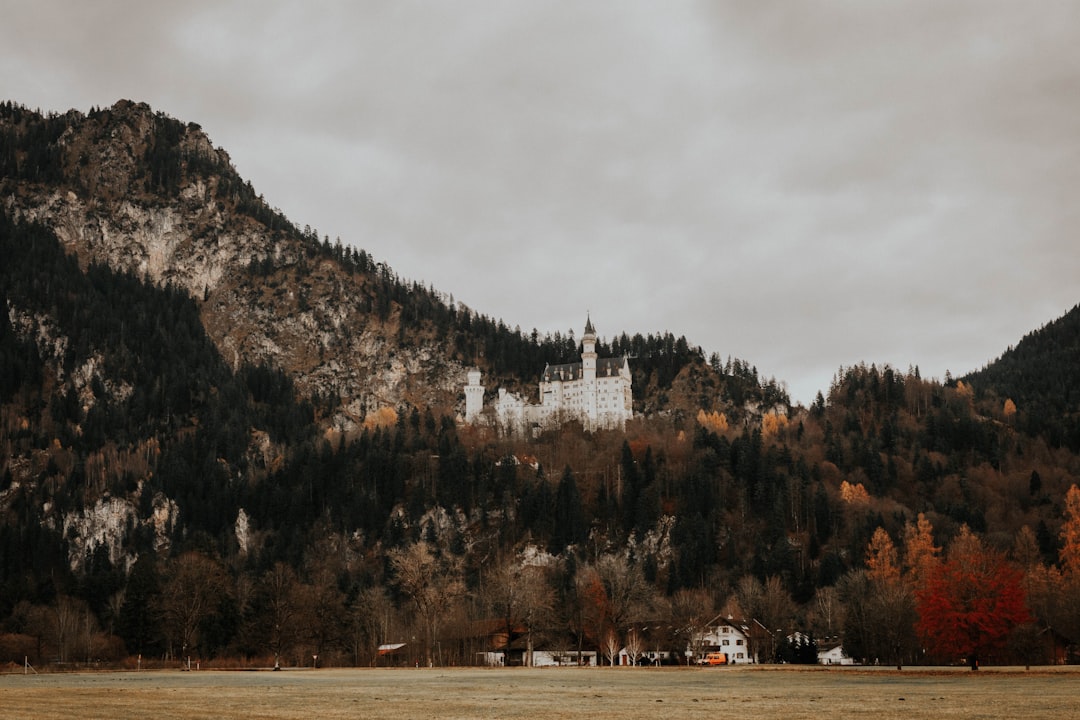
1041	375
147	194
143	193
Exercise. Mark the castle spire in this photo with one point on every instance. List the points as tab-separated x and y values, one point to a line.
589	329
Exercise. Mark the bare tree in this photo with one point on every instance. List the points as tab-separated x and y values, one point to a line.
635	646
279	598
67	617
826	612
432	581
521	597
629	594
192	592
771	605
322	612
609	646
609	594
371	619
691	611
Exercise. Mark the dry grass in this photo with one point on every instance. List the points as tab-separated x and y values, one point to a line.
786	693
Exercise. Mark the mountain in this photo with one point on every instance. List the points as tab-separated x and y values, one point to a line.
224	435
143	193
1041	375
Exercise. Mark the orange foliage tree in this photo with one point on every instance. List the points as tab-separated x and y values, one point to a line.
1070	533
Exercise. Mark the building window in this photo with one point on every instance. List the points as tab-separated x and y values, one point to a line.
739	641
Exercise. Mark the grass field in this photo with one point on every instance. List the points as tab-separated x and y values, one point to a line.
610	693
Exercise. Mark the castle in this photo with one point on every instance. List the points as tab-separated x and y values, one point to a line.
596	391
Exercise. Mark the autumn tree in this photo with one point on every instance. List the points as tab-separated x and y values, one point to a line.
881	559
921	555
1065	612
1070	533
970	602
880	617
1008	410
715	422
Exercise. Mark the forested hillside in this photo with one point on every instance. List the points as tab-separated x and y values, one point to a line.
168	491
1041	376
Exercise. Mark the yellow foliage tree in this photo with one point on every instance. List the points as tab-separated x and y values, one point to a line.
1009	410
920	553
716	422
772	424
854	494
383	417
881	562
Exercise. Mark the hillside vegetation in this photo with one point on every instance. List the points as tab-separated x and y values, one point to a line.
251	449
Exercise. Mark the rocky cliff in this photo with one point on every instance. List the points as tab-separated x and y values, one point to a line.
143	193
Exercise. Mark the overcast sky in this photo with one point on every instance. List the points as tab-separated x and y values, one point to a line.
799	185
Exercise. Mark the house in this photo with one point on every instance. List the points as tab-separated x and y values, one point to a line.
392	655
540	658
832	653
729	636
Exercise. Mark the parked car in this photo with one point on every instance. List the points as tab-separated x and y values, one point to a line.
713	658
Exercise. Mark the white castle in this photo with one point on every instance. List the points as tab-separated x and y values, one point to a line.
595	391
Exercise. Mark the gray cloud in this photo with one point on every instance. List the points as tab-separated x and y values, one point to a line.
799	185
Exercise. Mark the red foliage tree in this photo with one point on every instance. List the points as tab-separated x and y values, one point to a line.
969	604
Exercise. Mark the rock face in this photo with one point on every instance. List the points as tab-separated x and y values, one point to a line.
146	194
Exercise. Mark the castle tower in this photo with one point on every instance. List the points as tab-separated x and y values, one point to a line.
588	372
474	396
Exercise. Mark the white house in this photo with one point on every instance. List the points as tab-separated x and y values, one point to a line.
729	636
545	658
833	654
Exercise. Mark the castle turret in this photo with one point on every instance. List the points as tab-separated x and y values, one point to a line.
474	396
588	371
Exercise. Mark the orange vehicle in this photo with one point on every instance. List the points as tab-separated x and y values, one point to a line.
714	658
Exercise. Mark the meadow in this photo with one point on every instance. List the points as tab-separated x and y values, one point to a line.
760	692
